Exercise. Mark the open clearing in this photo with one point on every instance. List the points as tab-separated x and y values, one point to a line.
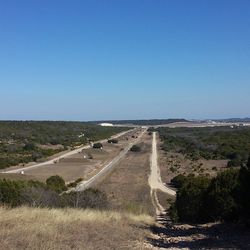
127	184
54	229
84	163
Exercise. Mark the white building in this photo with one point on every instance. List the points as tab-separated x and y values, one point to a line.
106	124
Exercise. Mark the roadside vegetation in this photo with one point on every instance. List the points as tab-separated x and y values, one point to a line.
50	195
223	198
26	141
208	143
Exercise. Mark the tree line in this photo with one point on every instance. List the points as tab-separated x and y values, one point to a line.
208	143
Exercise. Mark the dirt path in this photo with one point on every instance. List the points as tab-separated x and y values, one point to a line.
155	181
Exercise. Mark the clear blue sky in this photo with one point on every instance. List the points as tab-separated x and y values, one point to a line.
124	59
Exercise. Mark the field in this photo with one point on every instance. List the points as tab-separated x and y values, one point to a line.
54	229
216	143
22	142
127	185
126	220
80	165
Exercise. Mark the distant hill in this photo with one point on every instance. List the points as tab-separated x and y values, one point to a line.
234	120
150	122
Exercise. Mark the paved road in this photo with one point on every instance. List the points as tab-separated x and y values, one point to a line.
55	160
86	184
155	181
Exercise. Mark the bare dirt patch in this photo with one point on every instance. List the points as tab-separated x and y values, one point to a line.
205	236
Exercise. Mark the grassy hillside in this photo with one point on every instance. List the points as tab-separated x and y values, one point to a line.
53	229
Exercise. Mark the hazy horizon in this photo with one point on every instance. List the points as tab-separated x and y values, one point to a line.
124	60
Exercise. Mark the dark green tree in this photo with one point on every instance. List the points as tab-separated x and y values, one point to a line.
56	183
221	195
190	199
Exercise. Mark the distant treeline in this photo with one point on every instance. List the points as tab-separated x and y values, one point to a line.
241	120
151	122
209	143
20	141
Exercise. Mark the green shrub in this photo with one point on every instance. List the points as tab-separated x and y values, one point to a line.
178	180
97	145
11	191
56	183
190	199
135	148
226	197
74	183
113	141
220	200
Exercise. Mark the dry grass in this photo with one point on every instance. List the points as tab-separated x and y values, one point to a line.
127	184
36	228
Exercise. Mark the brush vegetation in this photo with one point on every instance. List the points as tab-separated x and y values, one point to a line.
223	198
208	143
51	195
27	141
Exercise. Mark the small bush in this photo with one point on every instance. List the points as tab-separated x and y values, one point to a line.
113	141
56	183
74	183
40	197
135	148
90	198
172	169
98	145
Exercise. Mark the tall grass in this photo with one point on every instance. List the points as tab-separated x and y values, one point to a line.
41	228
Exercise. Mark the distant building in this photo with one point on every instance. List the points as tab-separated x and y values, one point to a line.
106	124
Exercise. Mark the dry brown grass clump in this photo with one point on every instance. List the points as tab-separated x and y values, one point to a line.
40	228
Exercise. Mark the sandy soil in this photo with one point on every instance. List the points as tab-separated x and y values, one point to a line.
155	181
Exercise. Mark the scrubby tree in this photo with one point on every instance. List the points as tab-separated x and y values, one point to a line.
135	148
190	199
244	192
90	198
178	180
113	141
98	145
56	183
221	202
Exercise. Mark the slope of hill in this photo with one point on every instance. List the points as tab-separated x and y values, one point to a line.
71	229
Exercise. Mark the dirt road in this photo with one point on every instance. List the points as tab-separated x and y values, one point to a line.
155	181
55	160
